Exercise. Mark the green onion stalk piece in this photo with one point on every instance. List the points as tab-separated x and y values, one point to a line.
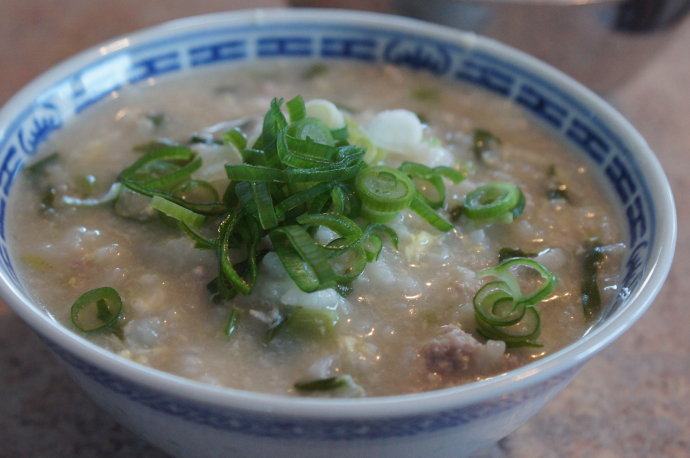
505	273
96	310
309	323
503	311
590	296
494	202
495	304
325	384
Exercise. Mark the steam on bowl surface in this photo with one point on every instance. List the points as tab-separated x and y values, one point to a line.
604	143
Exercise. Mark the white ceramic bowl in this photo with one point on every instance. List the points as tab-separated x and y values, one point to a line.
189	418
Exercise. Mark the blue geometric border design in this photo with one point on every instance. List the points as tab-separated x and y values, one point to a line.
272	426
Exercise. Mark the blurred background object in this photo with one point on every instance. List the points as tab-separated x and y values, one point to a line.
601	43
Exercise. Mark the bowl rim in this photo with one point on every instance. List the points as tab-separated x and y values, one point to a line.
538	371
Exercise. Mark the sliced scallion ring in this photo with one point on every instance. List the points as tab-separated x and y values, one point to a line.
372	241
523	333
495	304
492	201
503	272
424	173
311	128
96	310
384	189
376	216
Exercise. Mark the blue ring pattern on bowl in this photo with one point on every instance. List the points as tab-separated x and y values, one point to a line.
249	423
568	118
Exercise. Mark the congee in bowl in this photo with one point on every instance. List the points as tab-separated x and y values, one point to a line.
319	230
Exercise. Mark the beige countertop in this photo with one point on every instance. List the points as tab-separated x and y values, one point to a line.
632	400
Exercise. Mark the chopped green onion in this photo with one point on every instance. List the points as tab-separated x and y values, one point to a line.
228	270
347	229
454	175
231	323
200	241
503	311
503	272
492	201
296	108
427	213
347	261
384	189
340	135
303	153
339	200
197	191
372	245
376	216
305	261
520	207
176	177
236	138
96	310
274	122
522	334
590	296
372	242
214	208
495	304
311	128
301	198
160	168
245	172
264	205
324	384
422	172
173	210
306	323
